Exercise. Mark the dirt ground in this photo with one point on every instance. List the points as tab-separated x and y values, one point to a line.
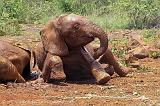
138	88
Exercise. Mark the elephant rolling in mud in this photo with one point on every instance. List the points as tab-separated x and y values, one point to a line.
64	41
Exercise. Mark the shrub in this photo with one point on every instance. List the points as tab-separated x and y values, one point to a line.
151	36
136	13
154	54
147	33
10	27
107	13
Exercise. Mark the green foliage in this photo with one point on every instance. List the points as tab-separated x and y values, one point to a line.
135	13
107	13
143	13
101	21
148	33
154	54
15	12
9	27
151	35
144	69
27	11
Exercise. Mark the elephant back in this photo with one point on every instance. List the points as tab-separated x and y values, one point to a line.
22	45
27	46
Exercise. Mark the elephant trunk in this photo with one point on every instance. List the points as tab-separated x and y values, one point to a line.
102	36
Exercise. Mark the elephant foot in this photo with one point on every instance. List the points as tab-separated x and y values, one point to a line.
123	71
101	76
110	70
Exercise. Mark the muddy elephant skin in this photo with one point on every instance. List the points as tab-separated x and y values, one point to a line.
65	38
14	63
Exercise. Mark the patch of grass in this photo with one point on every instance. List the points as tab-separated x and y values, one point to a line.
143	69
119	42
154	54
119	49
120	53
101	21
150	35
10	27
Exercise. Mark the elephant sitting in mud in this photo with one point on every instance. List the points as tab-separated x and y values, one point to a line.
64	41
14	62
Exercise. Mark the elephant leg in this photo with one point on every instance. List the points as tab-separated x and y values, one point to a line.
108	68
76	67
51	63
35	70
8	72
109	58
98	72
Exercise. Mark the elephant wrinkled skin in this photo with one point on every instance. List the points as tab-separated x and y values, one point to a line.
64	39
14	63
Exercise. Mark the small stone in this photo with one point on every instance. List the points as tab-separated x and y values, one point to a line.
135	93
157	44
129	58
139	52
2	87
135	64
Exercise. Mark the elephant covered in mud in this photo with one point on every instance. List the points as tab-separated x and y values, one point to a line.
14	62
65	42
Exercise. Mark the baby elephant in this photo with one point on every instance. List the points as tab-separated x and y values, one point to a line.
64	41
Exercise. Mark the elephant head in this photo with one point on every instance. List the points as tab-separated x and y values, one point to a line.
71	31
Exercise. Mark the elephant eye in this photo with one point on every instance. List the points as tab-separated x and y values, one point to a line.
76	26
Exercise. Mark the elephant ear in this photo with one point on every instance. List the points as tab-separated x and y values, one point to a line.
53	41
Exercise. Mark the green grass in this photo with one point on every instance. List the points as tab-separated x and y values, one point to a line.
150	36
109	14
144	69
154	54
10	27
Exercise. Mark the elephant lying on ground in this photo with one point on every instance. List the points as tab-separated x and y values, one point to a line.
63	44
14	62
